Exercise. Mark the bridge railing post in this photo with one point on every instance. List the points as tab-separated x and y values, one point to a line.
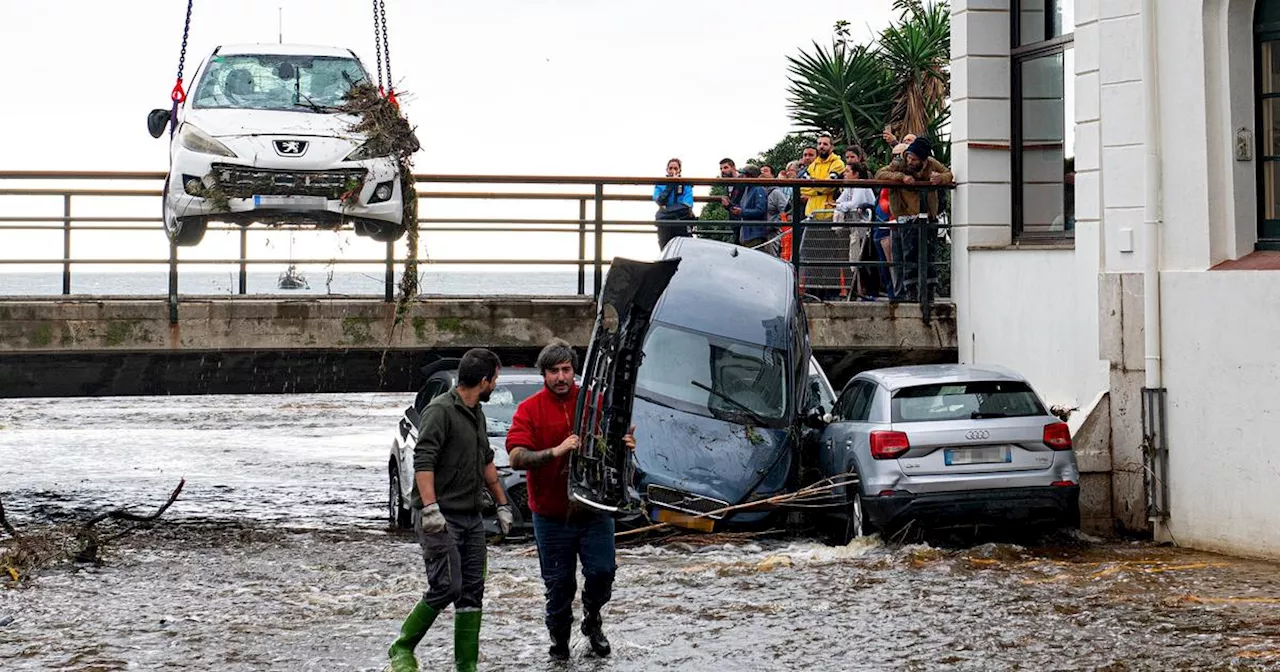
244	265
598	274
173	282
582	246
66	244
389	284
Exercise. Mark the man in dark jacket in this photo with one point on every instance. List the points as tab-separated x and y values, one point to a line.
914	208
452	463
753	208
540	440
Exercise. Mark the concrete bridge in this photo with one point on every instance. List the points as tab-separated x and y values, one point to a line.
78	346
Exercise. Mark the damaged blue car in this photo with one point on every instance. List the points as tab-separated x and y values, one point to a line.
723	388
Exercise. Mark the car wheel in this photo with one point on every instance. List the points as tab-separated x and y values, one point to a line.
398	514
852	524
385	233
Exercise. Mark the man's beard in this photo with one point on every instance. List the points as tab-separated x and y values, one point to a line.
552	388
823	155
484	396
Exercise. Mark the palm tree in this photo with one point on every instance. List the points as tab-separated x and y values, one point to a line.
917	51
902	80
845	91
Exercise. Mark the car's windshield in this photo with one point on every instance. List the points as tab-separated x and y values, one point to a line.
740	375
501	406
965	401
276	82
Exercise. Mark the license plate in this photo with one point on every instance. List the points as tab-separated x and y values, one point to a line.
983	455
686	521
303	202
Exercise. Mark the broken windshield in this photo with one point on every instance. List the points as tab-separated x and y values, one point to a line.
277	82
739	376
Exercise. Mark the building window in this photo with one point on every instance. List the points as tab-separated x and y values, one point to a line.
1267	38
1043	120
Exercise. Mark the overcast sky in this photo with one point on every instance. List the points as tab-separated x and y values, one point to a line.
495	87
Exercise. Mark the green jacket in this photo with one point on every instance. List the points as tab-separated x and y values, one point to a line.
453	442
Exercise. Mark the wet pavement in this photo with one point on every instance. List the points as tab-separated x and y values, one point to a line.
277	556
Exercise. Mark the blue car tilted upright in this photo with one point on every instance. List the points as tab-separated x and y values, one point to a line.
722	387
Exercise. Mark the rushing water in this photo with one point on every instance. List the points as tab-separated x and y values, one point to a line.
277	557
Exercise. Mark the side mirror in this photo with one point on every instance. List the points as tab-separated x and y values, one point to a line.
816	418
157	120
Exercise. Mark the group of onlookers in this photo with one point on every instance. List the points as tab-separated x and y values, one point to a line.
881	224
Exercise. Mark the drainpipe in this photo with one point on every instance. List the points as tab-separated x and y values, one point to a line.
1155	447
1151	210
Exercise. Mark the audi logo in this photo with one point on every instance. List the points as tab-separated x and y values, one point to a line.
977	435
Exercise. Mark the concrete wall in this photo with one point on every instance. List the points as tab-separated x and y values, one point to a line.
1222	369
73	347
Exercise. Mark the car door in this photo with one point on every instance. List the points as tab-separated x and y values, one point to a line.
848	430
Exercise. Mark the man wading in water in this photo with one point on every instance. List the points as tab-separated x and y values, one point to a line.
540	441
453	444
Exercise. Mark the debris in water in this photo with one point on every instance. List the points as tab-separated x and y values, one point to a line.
774	562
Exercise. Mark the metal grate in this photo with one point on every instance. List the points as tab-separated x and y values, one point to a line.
242	182
683	501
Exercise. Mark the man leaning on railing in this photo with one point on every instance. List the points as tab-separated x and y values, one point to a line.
917	169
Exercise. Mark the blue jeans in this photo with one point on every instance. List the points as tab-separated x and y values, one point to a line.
561	543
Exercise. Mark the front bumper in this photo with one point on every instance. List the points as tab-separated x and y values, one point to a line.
271	195
1012	506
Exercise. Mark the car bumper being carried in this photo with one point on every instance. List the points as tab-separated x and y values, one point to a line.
1010	506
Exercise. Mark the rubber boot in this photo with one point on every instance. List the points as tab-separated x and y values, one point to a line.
592	627
559	644
466	640
411	632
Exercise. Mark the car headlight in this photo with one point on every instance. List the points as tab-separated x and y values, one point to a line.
197	141
365	152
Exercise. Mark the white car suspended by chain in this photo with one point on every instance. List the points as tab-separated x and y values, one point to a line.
260	139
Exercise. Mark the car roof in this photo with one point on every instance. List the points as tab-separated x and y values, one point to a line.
729	290
505	376
283	50
899	377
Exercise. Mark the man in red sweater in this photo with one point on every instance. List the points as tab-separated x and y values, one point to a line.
540	440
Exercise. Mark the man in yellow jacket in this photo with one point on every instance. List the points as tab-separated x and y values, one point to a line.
827	166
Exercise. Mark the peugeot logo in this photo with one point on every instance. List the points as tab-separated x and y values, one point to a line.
291	147
977	434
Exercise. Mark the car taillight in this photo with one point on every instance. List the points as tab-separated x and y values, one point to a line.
1063	484
888	445
1058	436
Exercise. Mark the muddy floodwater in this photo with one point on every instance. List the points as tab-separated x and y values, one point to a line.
278	557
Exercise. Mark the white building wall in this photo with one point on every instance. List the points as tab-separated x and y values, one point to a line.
1070	317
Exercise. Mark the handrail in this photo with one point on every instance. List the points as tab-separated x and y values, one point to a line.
591	224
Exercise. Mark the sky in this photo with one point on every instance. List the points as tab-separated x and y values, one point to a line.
513	87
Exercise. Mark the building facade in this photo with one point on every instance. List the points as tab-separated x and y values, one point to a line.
1118	241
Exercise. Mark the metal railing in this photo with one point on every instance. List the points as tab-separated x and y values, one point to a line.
590	224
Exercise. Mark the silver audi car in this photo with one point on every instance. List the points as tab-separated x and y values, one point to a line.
945	445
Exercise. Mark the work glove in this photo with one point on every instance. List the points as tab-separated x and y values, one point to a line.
432	521
506	518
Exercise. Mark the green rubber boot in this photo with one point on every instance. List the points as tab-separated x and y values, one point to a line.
414	629
466	640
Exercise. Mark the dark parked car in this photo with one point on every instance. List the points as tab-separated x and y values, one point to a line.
514	386
723	386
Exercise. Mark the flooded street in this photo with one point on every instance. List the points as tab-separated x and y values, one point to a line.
277	556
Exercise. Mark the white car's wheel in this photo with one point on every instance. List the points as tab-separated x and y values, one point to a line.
182	231
398	513
383	232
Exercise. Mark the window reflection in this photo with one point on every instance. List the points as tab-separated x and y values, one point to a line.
1047	144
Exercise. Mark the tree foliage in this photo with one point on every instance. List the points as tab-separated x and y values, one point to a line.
901	80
